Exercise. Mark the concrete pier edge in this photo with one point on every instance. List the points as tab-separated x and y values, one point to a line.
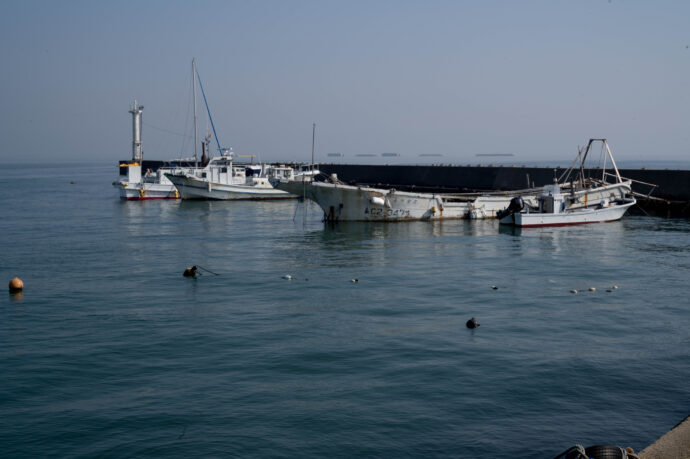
674	444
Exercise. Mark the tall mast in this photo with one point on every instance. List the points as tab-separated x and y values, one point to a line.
194	95
137	154
313	138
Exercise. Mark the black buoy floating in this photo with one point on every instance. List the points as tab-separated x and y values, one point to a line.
472	323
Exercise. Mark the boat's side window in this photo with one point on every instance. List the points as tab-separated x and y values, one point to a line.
224	169
203	175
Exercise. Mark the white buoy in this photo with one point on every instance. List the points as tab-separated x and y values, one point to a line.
287	276
615	287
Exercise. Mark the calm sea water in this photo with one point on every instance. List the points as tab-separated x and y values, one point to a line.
111	352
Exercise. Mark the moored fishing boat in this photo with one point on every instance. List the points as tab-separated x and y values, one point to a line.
586	199
218	178
222	180
341	202
132	183
135	185
552	211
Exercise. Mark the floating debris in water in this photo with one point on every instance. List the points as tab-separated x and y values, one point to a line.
573	291
354	281
592	289
493	287
192	272
609	290
615	287
287	276
472	323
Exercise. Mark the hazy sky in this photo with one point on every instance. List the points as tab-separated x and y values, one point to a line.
455	78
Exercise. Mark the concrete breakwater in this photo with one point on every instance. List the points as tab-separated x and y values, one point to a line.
670	197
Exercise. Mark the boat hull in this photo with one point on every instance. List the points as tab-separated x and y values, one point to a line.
568	218
351	203
341	202
195	188
147	191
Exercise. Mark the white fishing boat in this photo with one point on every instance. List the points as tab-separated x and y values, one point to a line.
221	180
135	185
553	211
341	202
578	197
153	185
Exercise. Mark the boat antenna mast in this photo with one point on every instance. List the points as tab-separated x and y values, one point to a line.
137	152
196	162
313	140
208	110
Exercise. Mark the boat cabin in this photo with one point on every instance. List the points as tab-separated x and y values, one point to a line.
551	200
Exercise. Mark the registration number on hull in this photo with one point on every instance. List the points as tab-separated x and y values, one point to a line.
381	212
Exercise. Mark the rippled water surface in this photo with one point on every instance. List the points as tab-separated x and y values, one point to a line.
111	352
